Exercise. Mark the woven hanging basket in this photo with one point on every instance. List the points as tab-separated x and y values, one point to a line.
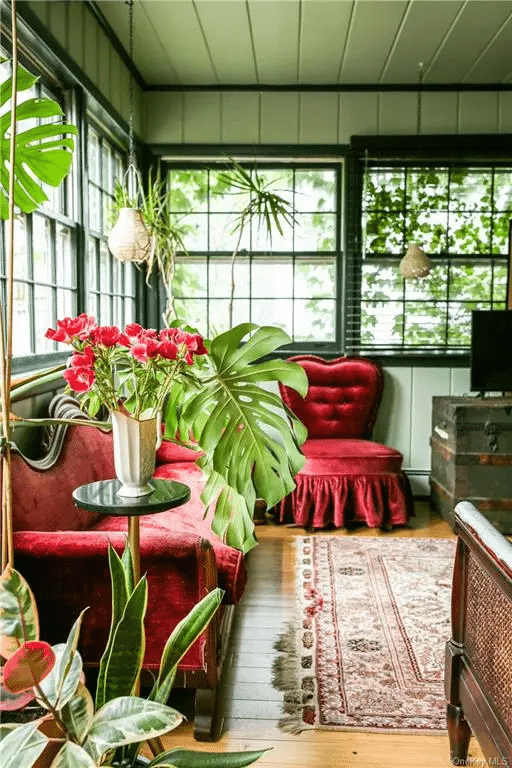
415	263
129	239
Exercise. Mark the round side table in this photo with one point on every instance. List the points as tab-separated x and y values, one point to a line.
102	497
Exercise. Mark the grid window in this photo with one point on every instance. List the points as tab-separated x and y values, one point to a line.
45	280
110	295
289	282
459	216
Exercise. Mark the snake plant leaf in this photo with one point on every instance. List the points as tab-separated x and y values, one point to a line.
120	591
193	758
73	756
22	747
58	689
128	646
19	619
247	434
181	638
77	714
126	720
44	153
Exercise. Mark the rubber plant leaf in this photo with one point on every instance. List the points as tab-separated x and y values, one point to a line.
73	756
58	689
32	662
128	720
22	747
120	592
19	619
184	634
77	714
191	758
9	702
44	153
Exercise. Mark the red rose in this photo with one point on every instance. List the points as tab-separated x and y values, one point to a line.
106	335
132	330
72	327
80	379
168	349
84	359
144	350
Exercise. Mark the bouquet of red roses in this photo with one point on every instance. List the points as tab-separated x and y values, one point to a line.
132	369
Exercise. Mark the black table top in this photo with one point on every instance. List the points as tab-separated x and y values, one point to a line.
102	497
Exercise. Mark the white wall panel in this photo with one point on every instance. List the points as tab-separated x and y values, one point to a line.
42	9
104	67
478	112
439	112
505	112
319	115
393	421
358	114
426	382
459	381
279	118
163	117
58	22
91	53
201	117
398	112
76	32
240	118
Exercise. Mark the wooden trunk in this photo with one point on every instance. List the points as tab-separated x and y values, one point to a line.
472	457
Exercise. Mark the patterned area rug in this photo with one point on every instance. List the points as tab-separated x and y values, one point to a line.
367	649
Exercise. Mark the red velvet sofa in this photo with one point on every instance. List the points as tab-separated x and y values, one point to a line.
62	552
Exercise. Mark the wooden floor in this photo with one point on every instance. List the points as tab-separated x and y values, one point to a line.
251	707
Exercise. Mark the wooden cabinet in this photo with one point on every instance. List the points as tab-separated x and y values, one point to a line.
472	457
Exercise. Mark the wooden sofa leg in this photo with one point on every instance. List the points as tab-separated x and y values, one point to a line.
459	734
205	717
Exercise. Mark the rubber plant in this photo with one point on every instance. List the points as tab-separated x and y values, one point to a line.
110	730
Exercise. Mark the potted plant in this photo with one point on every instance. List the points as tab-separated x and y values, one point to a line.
109	731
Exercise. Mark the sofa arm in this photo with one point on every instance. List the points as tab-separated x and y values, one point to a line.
68	571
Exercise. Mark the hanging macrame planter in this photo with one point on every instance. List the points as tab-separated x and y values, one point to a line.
129	240
415	263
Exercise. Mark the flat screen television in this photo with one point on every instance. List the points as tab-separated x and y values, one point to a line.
491	351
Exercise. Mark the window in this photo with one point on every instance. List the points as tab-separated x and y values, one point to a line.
110	293
290	282
45	278
460	216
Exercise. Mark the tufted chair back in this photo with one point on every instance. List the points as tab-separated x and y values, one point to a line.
343	397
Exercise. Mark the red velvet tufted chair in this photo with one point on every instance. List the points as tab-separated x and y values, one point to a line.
347	477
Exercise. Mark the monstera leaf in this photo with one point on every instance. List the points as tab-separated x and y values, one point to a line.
43	152
250	440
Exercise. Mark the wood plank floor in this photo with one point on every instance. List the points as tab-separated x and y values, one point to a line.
250	705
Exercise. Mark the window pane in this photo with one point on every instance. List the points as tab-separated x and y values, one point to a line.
502	191
315	232
381	322
93	156
193	312
470	233
427	189
470	190
21	319
44	316
314	320
314	280
273	312
190	278
189	190
65	304
220	278
64	253
383	233
42	249
20	248
92	271
381	282
270	279
315	190
384	190
425	323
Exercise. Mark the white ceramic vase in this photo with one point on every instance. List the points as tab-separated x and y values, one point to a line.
135	443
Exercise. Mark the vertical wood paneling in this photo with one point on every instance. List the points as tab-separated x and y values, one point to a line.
426	382
163	117
58	22
358	114
201	117
279	118
91	47
505	112
438	112
42	9
76	33
393	421
459	381
478	112
398	112
104	67
240	118
138	105
319	115
116	86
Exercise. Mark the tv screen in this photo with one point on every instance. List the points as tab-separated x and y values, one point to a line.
491	351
